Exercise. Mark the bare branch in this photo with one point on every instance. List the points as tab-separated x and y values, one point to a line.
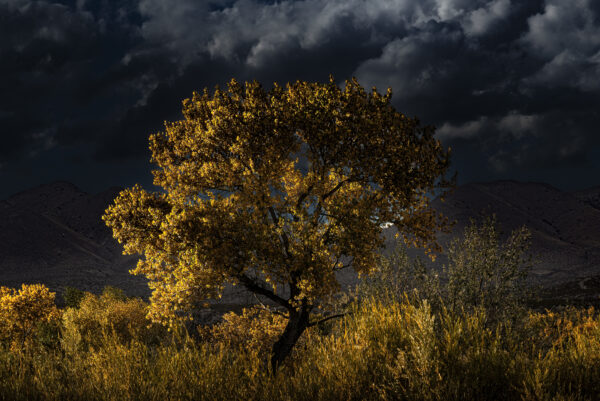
304	195
283	237
336	269
334	190
326	319
271	310
256	288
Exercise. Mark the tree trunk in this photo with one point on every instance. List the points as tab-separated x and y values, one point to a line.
293	330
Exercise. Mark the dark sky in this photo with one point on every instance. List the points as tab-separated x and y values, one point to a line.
512	85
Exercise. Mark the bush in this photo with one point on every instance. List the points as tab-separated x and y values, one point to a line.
567	345
27	315
383	350
397	275
482	272
72	297
114	293
108	313
254	328
485	272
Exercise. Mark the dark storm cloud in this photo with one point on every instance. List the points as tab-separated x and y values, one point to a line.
50	54
514	82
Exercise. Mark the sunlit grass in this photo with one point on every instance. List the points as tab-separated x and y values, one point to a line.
383	350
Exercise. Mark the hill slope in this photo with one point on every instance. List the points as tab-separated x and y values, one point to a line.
565	230
54	234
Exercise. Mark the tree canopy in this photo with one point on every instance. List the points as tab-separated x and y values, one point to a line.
277	190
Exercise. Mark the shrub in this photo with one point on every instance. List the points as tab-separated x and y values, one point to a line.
485	272
254	328
72	297
114	293
110	312
26	313
567	349
482	272
397	275
383	350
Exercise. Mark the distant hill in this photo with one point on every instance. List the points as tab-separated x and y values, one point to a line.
53	234
565	230
590	196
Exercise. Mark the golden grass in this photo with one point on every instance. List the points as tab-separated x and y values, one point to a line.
399	350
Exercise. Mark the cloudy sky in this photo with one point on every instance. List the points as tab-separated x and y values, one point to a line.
513	86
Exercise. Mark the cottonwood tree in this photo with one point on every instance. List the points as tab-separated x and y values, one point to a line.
276	191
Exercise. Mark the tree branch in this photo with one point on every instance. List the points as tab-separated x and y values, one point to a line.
273	216
294	290
335	268
326	319
304	195
253	286
322	199
266	308
334	190
284	238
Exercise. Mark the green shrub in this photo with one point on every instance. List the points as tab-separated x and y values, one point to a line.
483	272
114	293
398	276
72	297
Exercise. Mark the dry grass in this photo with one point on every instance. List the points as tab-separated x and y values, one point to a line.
384	350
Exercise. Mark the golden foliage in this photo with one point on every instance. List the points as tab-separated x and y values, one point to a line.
108	313
277	190
399	350
555	329
253	328
23	310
